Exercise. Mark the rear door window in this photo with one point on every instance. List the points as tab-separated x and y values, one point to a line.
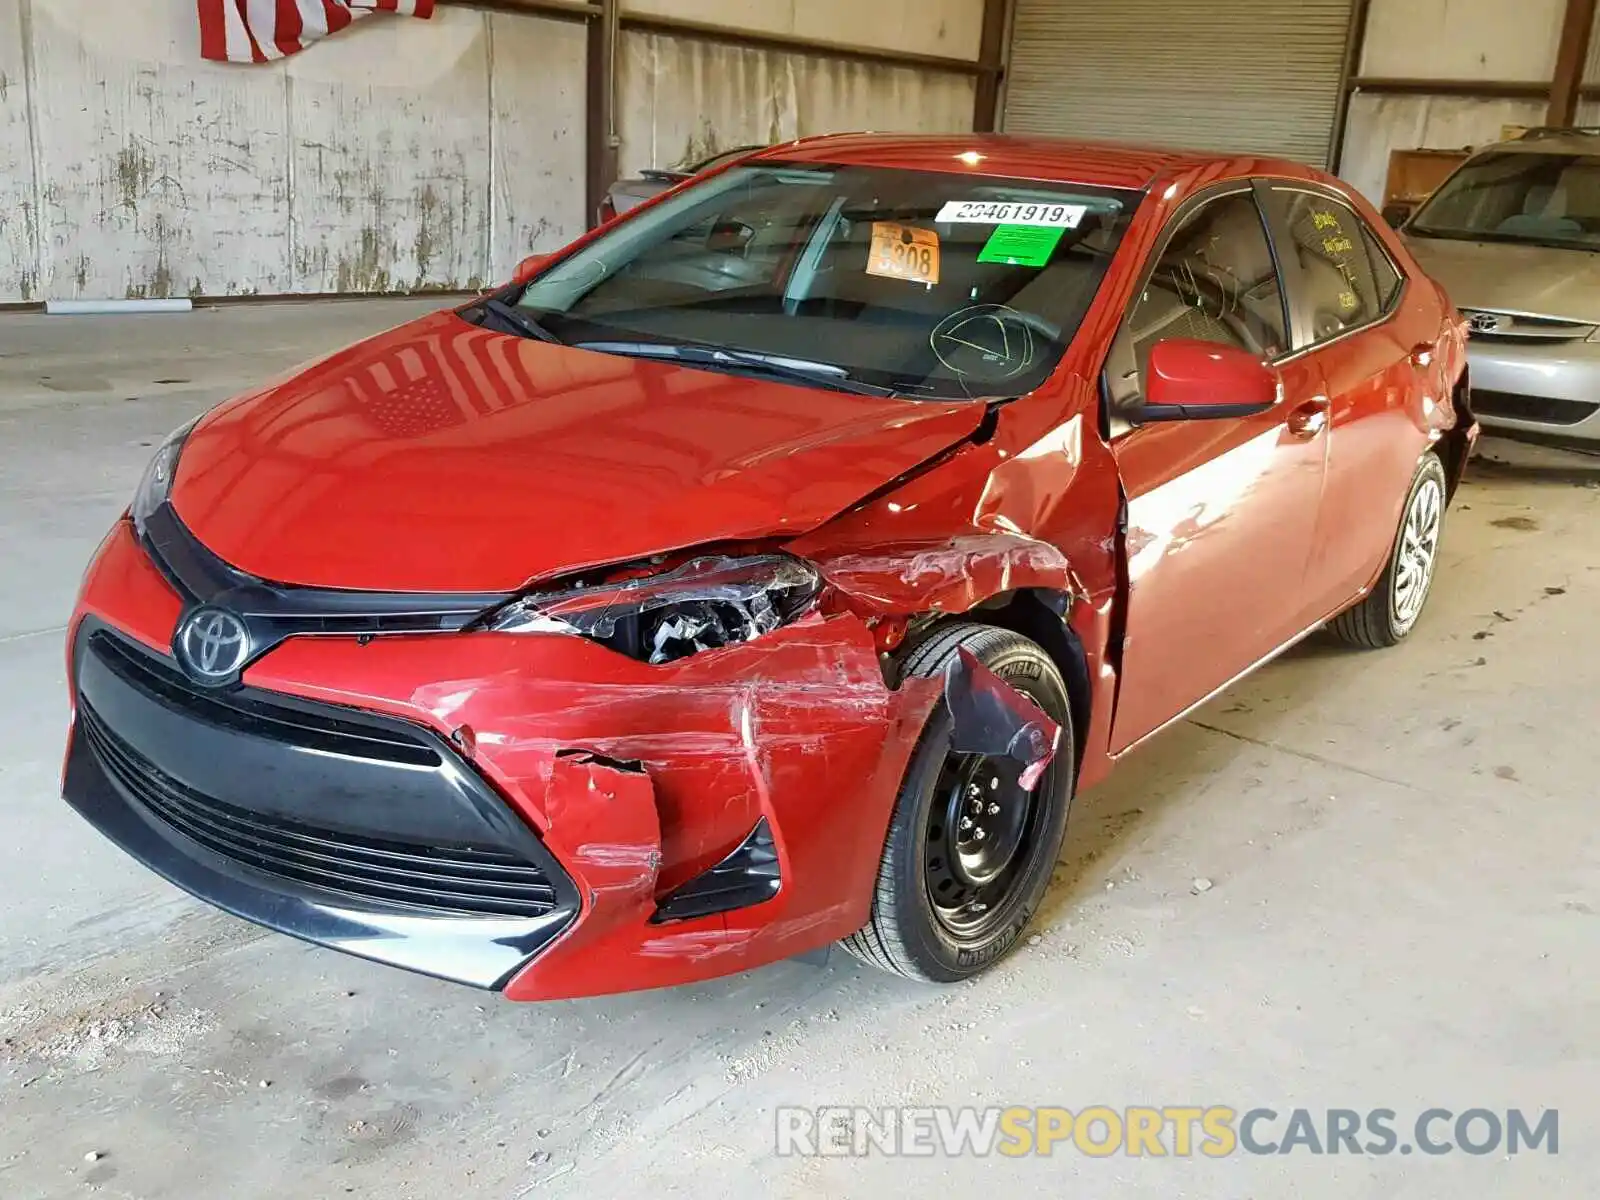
1339	278
1384	274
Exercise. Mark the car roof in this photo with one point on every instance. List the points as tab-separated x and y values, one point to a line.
1058	160
1554	142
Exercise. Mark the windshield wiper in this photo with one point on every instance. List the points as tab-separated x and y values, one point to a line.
778	366
520	322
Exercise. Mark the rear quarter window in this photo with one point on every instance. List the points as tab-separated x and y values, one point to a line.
1385	278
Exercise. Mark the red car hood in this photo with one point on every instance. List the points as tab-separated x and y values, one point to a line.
444	457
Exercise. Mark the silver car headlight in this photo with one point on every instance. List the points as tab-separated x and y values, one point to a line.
156	485
704	604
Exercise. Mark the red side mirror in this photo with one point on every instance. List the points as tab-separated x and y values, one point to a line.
529	267
1189	380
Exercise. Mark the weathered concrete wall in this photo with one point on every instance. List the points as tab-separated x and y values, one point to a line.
953	28
1446	40
399	155
1379	124
158	174
539	106
1462	39
682	99
19	256
389	157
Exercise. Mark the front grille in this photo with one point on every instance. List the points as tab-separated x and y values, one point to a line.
450	880
275	611
1549	409
274	720
1519	327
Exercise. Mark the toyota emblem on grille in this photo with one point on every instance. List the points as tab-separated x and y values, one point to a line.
1483	322
212	645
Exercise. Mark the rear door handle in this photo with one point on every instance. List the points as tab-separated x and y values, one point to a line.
1309	419
1421	355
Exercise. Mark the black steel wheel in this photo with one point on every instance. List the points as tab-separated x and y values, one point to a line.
980	821
969	851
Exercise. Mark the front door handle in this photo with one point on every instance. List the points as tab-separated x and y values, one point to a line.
1310	419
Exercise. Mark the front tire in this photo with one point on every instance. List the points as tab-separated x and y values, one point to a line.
1390	612
969	853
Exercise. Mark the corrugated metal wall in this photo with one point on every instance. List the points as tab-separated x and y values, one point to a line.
400	155
1250	75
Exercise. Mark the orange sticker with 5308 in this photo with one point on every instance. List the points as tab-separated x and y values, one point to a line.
904	252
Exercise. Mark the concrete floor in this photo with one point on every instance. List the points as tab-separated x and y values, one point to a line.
1402	846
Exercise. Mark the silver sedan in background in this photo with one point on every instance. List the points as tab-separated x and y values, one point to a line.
630	193
1514	236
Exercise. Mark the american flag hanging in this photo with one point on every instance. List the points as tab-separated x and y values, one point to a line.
256	31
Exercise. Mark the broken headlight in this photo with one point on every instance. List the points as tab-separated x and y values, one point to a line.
704	604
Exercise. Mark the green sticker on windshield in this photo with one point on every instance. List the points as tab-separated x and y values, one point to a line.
1021	245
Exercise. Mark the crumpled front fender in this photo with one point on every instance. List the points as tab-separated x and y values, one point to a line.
1035	506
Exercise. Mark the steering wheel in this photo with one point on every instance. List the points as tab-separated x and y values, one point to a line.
990	343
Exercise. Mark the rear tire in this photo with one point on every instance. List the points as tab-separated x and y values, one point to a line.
946	907
1390	611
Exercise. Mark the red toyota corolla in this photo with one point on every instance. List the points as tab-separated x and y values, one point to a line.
769	568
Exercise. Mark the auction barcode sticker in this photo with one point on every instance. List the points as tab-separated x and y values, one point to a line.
986	212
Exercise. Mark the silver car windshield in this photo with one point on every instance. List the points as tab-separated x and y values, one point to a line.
920	284
1518	196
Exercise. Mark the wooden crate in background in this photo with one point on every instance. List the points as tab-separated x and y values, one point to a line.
1413	174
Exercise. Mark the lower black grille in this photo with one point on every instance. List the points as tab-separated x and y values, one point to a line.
1549	409
450	880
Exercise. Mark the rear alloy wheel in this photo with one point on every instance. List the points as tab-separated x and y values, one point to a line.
1391	610
970	851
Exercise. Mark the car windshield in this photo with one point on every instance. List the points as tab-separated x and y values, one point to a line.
1518	196
918	284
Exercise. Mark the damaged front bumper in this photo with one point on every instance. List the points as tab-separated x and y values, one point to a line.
533	813
346	829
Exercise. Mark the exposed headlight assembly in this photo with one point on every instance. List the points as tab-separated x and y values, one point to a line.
156	485
705	604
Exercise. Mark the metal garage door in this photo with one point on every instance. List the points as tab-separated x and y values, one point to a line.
1252	75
